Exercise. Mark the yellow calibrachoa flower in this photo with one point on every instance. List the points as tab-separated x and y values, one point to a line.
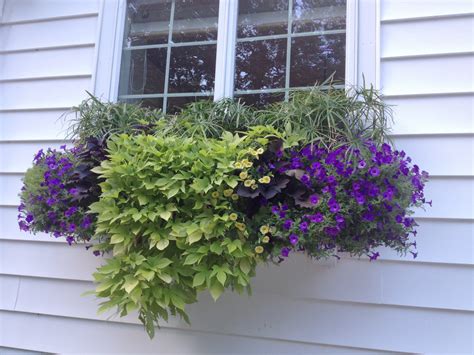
259	249
243	175
240	226
248	183
228	192
253	151
238	165
273	230
235	197
264	229
215	194
260	151
265	239
254	187
233	216
264	180
246	163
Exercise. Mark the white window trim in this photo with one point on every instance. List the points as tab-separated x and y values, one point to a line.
362	47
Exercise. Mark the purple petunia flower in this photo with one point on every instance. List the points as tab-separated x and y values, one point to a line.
288	224
362	164
50	201
293	239
96	253
70	211
316	218
72	228
285	252
29	218
74	191
374	256
70	240
314	199
374	171
334	206
304	227
305	179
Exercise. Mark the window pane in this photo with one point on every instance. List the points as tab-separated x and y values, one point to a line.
261	100
175	104
148	22
195	20
316	58
260	64
262	17
192	68
151	103
318	15
146	72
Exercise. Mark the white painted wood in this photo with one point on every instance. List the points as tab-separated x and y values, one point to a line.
9	291
48	34
382	282
273	316
17	157
35	10
69	61
64	92
426	75
58	334
33	125
453	38
433	115
406	9
453	153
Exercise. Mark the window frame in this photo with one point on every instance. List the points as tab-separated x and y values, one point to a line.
362	63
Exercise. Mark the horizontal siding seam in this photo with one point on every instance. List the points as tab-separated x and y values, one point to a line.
33	109
427	18
47	48
426	55
427	94
214	332
50	19
50	77
36	141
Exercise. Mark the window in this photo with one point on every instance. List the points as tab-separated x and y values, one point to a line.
166	53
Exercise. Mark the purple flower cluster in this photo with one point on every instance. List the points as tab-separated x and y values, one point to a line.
48	198
353	204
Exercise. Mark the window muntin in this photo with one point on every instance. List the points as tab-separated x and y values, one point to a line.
170	48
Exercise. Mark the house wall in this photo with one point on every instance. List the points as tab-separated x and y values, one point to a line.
351	306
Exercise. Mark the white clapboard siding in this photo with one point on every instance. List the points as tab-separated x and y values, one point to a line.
417	75
47	63
33	125
453	39
59	335
384	282
351	306
54	33
402	10
433	114
44	93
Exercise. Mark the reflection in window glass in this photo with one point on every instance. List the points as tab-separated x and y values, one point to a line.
192	68
262	18
195	20
154	68
319	15
281	48
147	72
260	100
260	64
316	58
175	104
148	22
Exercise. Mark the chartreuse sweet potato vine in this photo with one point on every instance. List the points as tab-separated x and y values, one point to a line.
166	213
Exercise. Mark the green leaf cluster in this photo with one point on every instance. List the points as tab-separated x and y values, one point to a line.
166	215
